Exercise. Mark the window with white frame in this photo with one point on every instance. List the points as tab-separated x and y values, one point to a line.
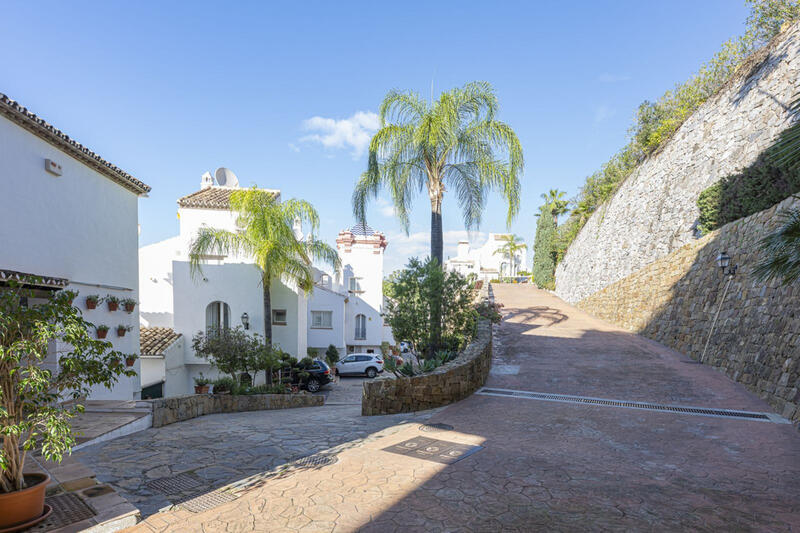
218	316
355	285
279	317
361	327
322	319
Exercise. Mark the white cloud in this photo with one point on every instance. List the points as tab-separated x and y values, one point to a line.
293	147
608	77
349	133
602	113
385	207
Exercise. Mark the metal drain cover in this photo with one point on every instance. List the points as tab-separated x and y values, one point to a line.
315	460
438	451
433	428
203	502
184	482
68	509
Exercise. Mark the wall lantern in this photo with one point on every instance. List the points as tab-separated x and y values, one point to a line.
724	263
246	320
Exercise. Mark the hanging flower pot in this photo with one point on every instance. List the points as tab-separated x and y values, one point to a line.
129	304
122	329
113	302
92	301
102	331
129	361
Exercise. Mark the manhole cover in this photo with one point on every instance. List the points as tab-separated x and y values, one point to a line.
315	460
203	502
433	428
439	451
67	509
174	484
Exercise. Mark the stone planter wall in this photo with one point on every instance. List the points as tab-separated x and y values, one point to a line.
447	384
170	410
756	340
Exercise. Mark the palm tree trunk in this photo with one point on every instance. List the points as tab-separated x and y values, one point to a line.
437	238
437	255
265	282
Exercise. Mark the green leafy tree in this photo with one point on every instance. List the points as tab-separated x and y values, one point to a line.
509	250
231	350
410	314
455	143
767	17
544	253
266	234
33	407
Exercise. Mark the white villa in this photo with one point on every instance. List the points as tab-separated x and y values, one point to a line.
69	218
344	309
486	262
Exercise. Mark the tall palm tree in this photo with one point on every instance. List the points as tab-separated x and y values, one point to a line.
266	234
512	245
554	198
453	143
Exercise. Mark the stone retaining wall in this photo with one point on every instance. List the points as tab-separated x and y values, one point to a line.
756	340
179	408
449	383
655	211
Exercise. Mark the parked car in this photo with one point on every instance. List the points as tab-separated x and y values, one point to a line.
319	375
359	364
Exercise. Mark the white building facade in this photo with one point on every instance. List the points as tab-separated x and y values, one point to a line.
228	293
487	262
67	214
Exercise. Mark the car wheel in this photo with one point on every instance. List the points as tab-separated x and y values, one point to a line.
371	372
313	385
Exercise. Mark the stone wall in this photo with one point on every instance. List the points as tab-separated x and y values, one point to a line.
756	340
179	408
655	212
449	383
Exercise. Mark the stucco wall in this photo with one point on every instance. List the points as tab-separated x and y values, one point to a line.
673	301
654	213
81	226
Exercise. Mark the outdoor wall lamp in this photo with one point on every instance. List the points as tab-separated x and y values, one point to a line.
246	320
724	263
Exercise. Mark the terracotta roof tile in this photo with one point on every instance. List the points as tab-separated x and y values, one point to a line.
213	197
153	341
33	280
36	125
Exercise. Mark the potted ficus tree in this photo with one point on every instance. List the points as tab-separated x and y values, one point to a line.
112	301
36	404
129	304
92	300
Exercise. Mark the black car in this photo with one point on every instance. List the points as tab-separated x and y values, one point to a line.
319	375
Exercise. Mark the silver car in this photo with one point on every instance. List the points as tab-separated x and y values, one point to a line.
368	364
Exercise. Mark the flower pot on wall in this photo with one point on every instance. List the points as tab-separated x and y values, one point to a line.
101	333
24	508
129	361
201	389
113	306
121	332
91	304
129	308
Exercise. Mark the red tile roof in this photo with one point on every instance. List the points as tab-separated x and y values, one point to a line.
153	341
213	197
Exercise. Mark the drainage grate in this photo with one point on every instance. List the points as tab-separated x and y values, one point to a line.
438	451
702	411
433	428
315	460
68	509
203	502
174	484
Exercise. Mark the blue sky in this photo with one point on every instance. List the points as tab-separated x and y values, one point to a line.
283	93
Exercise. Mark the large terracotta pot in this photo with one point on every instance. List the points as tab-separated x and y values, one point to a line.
26	505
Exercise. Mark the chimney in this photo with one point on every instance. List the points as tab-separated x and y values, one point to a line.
206	181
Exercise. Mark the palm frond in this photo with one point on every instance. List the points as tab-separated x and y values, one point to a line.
781	250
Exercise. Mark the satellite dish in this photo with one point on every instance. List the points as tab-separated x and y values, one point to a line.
226	177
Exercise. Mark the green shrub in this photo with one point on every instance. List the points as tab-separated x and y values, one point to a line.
544	254
332	355
754	189
225	384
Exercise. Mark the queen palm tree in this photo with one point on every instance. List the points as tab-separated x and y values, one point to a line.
554	198
454	143
510	248
266	234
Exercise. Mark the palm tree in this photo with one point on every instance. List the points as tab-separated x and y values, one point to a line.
558	206
512	245
781	250
266	234
454	143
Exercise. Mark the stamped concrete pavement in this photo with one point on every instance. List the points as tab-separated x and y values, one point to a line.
544	466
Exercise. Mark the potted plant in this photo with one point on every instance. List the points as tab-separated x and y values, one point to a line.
201	384
129	304
102	331
122	329
92	301
130	360
37	405
112	301
224	385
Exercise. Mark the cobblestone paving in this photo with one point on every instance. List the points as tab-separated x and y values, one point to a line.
544	466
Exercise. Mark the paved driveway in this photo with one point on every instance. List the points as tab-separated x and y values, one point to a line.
543	466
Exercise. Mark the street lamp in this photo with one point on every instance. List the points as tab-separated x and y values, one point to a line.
246	320
724	263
